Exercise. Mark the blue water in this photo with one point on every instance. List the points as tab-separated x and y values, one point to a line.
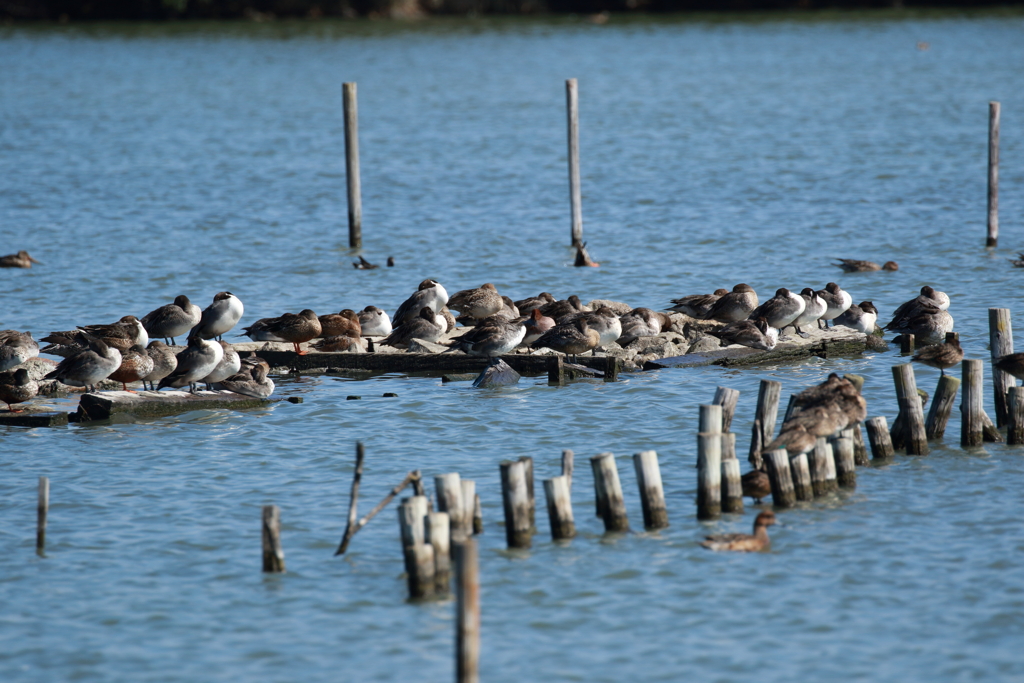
140	163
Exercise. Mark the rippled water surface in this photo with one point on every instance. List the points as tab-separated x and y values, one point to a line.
138	164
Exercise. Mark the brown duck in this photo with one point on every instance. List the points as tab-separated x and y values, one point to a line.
941	356
295	328
749	543
345	324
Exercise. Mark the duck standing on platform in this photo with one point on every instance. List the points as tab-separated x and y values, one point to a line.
219	317
88	367
173	319
17	387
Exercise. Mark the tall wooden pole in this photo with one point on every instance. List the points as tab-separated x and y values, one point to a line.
467	612
575	196
993	174
42	509
355	200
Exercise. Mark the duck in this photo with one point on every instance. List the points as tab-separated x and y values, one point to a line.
796	441
16	386
835	393
346	323
781	310
495	336
338	344
607	324
536	325
363	264
294	329
814	308
16	348
861	317
374	322
89	366
929	325
562	308
928	298
429	294
136	364
195	362
479	303
837	301
229	364
757	542
164	362
445	320
850	265
172	320
756	485
254	383
697	305
121	335
642	322
1012	363
423	327
941	356
734	306
220	316
1018	262
583	257
508	311
19	260
525	306
571	338
754	334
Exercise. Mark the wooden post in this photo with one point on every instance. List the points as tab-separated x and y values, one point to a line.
612	365
942	405
709	476
575	195
353	500
42	510
860	451
412	515
273	554
567	464
448	488
1015	430
1000	336
468	502
438	535
971	405
530	498
756	446
652	495
417	553
556	371
823	479
727	398
781	479
993	175
878	436
558	496
732	483
515	501
767	413
467	609
910	407
729	446
478	516
801	472
989	433
906	343
846	470
606	474
355	201
710	420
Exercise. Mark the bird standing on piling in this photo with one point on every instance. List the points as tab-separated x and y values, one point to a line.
757	542
941	356
219	317
19	260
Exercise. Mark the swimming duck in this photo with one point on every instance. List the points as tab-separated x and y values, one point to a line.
583	257
745	542
940	356
423	327
495	336
374	322
89	366
19	260
781	310
429	294
861	317
346	323
363	264
1018	262
254	382
850	265
16	348
229	364
536	325
164	362
736	305
477	303
836	300
754	334
135	365
197	361
814	308
17	387
571	339
642	322
220	316
697	305
756	485
525	306
172	320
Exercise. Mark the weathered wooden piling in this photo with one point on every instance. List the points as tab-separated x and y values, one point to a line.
273	554
942	405
559	503
417	553
478	516
823	468
878	437
468	502
42	511
971	405
767	413
993	175
914	436
355	200
906	343
989	433
556	371
732	482
709	476
710	419
727	398
609	491
515	501
567	465
860	450
467	612
412	515
800	470
1000	336
612	367
652	495
846	469
572	102
781	478
728	446
438	535
1015	429
530	498
448	488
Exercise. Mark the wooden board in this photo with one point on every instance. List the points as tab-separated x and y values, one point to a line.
104	405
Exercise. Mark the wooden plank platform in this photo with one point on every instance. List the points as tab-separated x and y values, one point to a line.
821	344
34	417
104	405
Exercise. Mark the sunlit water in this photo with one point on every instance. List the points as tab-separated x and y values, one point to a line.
140	164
